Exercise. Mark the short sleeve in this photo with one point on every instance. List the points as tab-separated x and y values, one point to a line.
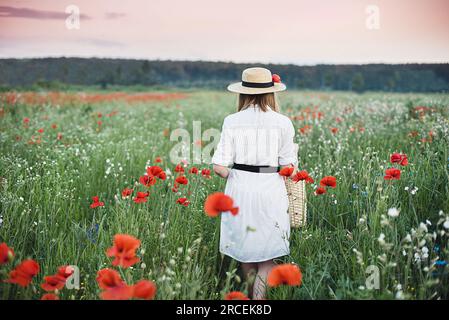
288	152
224	153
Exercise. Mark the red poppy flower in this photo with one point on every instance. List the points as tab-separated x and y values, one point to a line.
158	160
141	197
236	295
392	174
329	181
26	121
179	168
205	173
305	129
302	175
399	158
99	123
54	126
65	271
320	190
23	274
334	130
41	130
288	274
126	193
50	296
53	283
124	250
147	180
157	172
96	202
193	170
286	171
413	133
182	180
114	288
219	202
144	289
183	201
276	78
6	253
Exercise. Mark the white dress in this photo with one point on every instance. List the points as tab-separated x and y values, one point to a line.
261	229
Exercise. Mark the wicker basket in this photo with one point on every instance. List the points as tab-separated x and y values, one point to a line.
297	200
297	203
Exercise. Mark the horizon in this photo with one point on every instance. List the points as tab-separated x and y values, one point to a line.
221	61
300	32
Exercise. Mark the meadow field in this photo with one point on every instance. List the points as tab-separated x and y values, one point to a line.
380	234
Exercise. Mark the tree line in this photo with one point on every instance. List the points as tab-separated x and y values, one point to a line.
57	72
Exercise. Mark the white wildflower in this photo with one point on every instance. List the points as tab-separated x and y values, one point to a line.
400	295
422	227
393	212
381	239
446	224
417	257
425	253
382	258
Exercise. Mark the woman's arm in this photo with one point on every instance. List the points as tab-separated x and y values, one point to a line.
224	154
222	171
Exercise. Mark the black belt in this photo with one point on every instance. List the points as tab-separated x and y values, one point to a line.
257	169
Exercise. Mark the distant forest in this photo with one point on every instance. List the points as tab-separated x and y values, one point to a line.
54	73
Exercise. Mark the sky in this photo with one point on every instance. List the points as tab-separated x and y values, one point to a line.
302	32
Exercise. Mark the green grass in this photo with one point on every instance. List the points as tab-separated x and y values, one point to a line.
46	191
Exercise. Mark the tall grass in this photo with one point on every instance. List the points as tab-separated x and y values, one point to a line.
46	190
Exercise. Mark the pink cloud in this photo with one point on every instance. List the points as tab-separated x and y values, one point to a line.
28	13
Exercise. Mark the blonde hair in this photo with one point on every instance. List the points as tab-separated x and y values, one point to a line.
262	100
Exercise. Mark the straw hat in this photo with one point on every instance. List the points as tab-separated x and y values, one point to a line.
257	81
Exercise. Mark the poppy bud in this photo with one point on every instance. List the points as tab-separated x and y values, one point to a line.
10	256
